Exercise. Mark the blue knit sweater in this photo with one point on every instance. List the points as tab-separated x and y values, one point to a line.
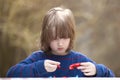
33	66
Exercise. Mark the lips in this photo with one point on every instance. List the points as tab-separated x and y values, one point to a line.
60	48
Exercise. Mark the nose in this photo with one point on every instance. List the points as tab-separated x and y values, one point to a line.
60	42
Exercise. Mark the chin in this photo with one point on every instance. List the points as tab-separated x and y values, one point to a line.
62	53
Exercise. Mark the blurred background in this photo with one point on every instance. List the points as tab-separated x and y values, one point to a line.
97	31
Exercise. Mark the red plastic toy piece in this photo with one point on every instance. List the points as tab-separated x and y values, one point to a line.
58	66
73	66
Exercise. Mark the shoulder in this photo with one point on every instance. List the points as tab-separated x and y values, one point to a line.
39	52
36	55
75	53
79	56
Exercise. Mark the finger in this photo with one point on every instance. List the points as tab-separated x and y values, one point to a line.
50	68
81	67
53	66
85	64
54	62
88	74
86	71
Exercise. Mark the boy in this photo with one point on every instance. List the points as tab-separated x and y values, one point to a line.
56	57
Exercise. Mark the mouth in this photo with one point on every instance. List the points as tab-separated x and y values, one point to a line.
60	49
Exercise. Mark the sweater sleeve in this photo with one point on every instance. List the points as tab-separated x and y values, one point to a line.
30	67
103	71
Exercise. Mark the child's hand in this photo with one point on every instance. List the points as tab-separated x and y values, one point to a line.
51	65
87	68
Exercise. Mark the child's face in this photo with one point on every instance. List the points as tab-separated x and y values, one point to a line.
59	46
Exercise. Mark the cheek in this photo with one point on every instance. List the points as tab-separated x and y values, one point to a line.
53	44
67	41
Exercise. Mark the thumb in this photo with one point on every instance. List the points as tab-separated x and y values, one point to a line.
54	62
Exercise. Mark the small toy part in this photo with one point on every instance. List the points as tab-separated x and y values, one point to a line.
58	66
73	66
